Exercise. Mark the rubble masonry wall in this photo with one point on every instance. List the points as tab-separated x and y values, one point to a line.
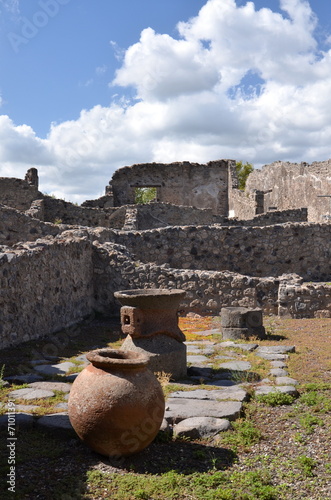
301	248
44	287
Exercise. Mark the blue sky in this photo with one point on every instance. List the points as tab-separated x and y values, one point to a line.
87	87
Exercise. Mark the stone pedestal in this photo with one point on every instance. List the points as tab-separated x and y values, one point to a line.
242	323
165	354
150	319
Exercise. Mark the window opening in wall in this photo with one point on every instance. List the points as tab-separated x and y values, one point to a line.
146	194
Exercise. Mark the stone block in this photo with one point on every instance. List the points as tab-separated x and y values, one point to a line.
165	354
178	409
201	427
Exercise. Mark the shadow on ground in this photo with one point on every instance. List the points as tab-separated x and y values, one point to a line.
55	465
91	334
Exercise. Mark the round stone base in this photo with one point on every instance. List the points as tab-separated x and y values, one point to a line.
243	333
165	354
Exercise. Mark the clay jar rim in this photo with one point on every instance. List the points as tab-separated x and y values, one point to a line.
110	359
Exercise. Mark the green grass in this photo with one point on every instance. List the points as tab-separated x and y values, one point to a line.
175	486
320	402
309	422
307	465
276	399
244	435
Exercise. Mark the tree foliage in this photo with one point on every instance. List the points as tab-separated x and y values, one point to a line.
243	171
145	194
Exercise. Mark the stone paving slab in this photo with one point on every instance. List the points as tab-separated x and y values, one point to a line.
237	394
22	420
31	393
52	386
201	427
83	359
178	409
267	389
221	382
278	372
276	349
272	357
286	381
236	366
196	349
278	364
230	358
24	379
197	359
25	408
62	406
206	333
58	369
36	362
55	421
244	347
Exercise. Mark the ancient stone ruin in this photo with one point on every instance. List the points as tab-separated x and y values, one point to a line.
268	247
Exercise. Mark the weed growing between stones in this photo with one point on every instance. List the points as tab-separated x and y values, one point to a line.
308	422
307	465
244	435
276	399
318	400
2	371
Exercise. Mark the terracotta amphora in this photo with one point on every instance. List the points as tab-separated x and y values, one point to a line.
116	404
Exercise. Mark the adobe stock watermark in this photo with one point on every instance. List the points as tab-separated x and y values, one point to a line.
11	446
30	27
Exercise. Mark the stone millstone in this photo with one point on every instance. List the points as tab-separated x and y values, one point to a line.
165	354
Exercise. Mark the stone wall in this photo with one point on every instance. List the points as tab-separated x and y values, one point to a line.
307	300
60	211
293	185
206	291
16	226
70	277
106	201
274	217
154	215
19	193
301	248
242	204
185	183
45	286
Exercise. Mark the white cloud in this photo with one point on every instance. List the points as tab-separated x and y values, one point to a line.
12	6
237	83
